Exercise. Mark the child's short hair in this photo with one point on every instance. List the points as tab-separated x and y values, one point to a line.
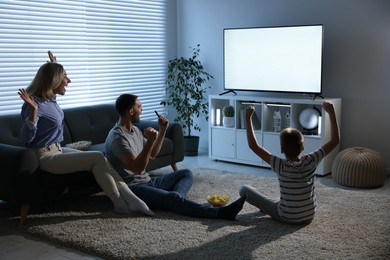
291	142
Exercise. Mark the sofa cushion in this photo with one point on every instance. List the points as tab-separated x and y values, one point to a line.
90	123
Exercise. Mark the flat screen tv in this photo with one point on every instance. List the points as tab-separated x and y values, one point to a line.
276	59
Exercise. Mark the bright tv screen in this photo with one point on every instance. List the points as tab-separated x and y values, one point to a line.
277	59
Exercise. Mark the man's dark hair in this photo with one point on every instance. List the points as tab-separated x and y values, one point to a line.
124	103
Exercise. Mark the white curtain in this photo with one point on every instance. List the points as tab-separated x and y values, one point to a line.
107	48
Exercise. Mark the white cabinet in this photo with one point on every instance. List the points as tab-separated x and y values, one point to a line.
223	143
230	144
244	154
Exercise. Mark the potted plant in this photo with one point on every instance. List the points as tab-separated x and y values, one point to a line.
187	95
228	116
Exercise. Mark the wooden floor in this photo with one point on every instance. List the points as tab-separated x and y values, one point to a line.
14	245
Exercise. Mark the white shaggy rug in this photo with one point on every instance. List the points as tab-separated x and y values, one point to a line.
349	224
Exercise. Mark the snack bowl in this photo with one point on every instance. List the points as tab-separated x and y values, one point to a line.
218	200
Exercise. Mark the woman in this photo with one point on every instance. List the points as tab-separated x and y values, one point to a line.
43	130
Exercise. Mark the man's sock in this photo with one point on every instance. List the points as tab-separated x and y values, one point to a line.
134	203
230	212
120	206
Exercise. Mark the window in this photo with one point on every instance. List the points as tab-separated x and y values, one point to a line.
107	48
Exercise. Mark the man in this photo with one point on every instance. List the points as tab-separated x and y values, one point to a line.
129	152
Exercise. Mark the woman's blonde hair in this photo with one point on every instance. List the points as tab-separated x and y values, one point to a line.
49	76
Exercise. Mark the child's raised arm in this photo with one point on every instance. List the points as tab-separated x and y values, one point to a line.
250	135
334	129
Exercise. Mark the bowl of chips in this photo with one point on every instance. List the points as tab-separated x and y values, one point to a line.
218	200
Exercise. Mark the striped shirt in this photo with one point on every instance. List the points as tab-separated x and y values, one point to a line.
297	192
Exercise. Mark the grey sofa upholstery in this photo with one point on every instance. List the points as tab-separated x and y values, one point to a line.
23	183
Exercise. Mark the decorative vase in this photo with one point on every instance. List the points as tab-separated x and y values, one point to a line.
228	121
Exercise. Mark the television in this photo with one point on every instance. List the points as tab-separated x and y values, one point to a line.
274	59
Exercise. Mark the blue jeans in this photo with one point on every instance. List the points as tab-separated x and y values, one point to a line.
168	192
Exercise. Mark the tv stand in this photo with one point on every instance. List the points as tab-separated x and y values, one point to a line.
226	92
230	143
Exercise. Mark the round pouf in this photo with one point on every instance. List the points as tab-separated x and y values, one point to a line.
359	167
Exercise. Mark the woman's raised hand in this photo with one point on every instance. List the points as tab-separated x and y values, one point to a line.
27	98
52	57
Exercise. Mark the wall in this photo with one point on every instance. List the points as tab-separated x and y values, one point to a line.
356	53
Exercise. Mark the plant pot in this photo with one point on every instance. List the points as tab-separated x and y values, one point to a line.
228	121
191	145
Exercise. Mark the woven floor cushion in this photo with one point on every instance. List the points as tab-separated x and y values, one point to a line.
359	167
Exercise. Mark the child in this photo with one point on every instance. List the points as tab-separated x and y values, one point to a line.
295	173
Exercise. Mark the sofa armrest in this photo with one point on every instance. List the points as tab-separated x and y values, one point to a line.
174	132
18	173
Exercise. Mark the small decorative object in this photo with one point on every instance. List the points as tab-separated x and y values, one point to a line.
277	121
218	117
228	116
287	121
309	119
80	145
218	200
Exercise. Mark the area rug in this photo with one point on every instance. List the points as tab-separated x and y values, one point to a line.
349	224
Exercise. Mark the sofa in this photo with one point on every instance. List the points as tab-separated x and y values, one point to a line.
23	184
